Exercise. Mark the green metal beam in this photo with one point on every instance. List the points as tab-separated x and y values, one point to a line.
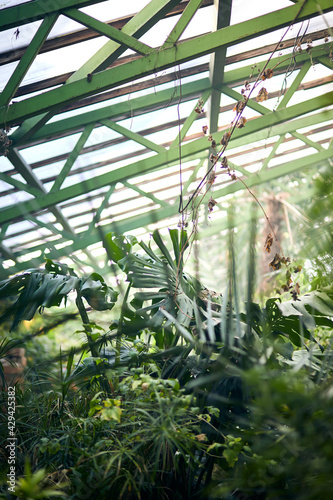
27	59
105	29
160	160
7	253
272	173
272	153
115	112
137	26
222	13
150	196
50	227
100	209
193	175
23	168
308	141
159	60
20	185
72	157
295	84
132	136
121	110
3	231
189	11
326	61
38	9
189	121
91	237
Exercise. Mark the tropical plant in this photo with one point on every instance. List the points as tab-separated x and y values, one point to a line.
201	395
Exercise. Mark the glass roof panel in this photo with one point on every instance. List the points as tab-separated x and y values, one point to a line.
113	145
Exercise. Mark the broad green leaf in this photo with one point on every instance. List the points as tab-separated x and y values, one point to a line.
118	246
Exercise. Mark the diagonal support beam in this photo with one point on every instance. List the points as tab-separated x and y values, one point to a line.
182	23
92	237
25	170
222	13
7	253
105	29
188	122
20	185
37	9
102	207
150	196
72	157
295	84
49	226
137	26
132	135
273	152
162	159
160	60
23	66
308	141
193	176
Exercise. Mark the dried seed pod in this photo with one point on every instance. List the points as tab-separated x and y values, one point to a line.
211	178
295	292
224	162
204	129
239	106
211	204
268	243
241	122
262	96
267	73
276	262
213	158
225	139
199	107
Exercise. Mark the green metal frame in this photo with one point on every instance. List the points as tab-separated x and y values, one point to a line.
98	75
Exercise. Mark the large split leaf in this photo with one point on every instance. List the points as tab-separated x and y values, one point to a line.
313	309
39	288
160	273
292	319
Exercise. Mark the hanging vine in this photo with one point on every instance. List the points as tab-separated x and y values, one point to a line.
218	155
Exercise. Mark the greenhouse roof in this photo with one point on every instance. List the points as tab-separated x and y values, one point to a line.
105	105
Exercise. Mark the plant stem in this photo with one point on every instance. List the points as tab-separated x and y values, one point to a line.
87	328
119	334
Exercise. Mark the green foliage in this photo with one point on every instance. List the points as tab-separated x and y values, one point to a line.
185	397
38	288
177	291
32	486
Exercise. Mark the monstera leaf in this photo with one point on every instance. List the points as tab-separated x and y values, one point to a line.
169	287
293	319
313	309
39	288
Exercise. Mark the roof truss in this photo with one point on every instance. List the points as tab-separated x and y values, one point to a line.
108	75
